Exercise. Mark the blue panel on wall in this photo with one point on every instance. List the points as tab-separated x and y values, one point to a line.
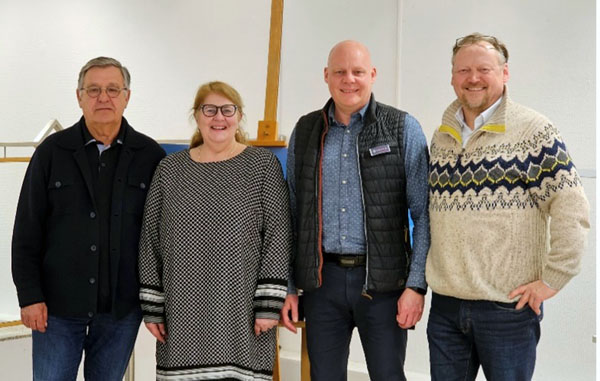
170	148
280	152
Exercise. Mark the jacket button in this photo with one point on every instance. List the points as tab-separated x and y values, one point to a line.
57	184
92	280
142	186
92	215
93	248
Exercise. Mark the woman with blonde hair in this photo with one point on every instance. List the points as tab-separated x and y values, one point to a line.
214	250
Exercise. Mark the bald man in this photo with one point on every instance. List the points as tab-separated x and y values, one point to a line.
355	168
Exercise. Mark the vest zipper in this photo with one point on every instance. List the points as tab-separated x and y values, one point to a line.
318	195
364	292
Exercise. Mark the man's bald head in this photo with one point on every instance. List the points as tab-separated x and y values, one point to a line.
350	77
349	45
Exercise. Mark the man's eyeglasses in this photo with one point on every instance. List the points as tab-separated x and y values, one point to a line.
95	91
476	37
211	110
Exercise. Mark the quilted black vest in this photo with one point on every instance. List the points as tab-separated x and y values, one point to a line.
381	157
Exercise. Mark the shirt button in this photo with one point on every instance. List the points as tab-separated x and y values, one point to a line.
57	184
92	280
344	181
92	215
93	248
343	237
347	130
343	210
345	155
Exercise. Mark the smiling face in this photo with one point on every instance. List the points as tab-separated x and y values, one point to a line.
349	76
217	129
478	77
103	110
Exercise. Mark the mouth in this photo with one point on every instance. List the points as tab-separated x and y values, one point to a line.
218	128
475	89
348	91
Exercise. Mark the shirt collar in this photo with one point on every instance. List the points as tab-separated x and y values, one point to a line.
89	139
481	119
360	114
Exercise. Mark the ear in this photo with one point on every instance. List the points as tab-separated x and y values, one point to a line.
127	95
373	74
326	74
505	73
78	95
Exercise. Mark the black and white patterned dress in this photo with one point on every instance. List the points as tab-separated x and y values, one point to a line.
214	252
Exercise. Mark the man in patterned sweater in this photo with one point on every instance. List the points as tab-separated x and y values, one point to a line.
508	222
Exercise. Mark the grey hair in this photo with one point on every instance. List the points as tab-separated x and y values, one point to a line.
104	62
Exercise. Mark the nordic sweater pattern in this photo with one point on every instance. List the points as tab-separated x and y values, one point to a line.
491	204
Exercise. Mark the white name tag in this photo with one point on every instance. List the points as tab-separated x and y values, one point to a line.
380	150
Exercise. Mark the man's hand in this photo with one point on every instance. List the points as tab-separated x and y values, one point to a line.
35	316
158	330
534	294
263	325
290	304
410	308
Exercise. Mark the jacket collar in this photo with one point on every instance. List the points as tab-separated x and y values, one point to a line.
370	114
496	123
72	138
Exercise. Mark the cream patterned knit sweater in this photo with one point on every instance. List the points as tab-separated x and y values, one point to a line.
506	210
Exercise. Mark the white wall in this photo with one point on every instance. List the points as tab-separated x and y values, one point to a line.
173	46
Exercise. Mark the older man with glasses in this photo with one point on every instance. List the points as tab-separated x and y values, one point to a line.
508	220
76	234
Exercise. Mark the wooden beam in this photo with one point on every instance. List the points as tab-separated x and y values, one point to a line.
14	159
272	91
267	128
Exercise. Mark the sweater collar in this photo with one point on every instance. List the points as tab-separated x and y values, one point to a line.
495	124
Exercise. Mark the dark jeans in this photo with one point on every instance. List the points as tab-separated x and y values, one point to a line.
107	344
332	312
464	334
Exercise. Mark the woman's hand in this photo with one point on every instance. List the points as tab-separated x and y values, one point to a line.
157	330
263	325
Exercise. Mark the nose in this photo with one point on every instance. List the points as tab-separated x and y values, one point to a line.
103	97
348	77
219	115
473	76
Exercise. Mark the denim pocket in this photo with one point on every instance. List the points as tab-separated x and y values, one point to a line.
510	307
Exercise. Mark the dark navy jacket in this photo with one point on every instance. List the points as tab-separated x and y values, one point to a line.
56	233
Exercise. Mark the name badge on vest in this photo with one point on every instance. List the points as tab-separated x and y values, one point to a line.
380	150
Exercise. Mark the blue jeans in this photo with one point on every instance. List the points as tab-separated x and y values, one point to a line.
107	343
464	334
333	310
